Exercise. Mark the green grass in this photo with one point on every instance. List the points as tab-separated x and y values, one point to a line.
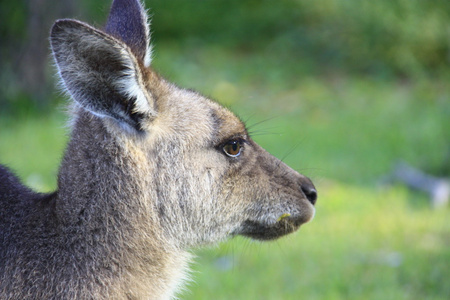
367	241
33	147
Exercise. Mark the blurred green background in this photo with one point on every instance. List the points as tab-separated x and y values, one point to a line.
341	90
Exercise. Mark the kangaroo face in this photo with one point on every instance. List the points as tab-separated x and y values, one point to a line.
196	165
212	180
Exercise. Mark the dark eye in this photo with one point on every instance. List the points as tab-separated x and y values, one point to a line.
232	148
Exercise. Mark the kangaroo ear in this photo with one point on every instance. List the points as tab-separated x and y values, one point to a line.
127	22
101	73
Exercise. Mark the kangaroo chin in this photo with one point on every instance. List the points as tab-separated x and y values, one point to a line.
285	224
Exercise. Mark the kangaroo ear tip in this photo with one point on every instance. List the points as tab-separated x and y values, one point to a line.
61	25
128	22
57	27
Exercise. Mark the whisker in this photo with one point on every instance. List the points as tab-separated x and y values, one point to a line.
261	122
263	132
290	151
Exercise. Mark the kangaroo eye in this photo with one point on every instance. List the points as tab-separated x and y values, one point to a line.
232	148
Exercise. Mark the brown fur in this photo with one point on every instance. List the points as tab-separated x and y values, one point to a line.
144	178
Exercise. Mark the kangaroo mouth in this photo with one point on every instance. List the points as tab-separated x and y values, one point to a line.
266	232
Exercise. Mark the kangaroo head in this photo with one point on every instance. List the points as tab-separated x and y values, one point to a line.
196	166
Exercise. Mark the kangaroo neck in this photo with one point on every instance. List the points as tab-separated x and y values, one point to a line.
113	214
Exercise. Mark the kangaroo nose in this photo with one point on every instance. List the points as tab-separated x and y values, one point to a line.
310	191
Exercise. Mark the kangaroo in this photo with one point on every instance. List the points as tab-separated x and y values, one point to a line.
151	171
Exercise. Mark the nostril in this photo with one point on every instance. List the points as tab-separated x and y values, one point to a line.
310	193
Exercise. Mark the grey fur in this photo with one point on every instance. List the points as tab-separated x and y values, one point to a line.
145	177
